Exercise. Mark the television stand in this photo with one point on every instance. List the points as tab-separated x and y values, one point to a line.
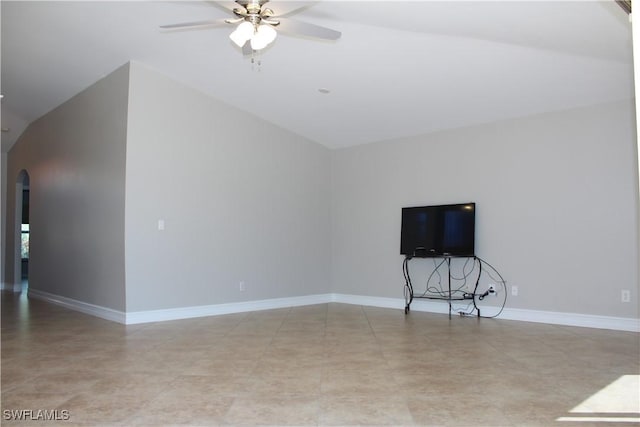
464	287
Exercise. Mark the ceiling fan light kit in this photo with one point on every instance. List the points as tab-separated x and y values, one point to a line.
264	35
242	33
259	37
255	26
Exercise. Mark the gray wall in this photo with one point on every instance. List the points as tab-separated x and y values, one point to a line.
242	200
556	206
75	157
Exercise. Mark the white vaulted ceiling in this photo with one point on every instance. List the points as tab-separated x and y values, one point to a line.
400	68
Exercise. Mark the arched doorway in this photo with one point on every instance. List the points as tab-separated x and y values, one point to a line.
21	266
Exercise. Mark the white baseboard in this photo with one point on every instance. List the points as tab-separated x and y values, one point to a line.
147	316
549	317
572	319
83	307
424	305
228	308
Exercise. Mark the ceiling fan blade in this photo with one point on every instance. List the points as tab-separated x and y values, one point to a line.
287	8
224	5
299	28
195	24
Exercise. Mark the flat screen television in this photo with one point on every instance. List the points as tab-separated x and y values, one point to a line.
443	230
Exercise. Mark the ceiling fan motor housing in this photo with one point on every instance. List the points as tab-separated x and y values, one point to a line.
252	12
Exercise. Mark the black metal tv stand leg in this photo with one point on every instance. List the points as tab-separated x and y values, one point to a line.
475	289
408	287
449	284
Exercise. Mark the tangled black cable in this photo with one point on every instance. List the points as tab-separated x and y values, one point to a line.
433	292
502	282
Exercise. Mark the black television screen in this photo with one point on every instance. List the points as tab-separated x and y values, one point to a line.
443	230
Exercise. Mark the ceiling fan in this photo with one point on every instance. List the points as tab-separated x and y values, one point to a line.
257	24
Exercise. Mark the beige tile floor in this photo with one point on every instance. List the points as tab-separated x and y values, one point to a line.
329	364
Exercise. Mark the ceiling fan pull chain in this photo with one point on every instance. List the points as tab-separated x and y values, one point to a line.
255	62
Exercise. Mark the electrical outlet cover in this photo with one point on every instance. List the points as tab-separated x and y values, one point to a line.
626	295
